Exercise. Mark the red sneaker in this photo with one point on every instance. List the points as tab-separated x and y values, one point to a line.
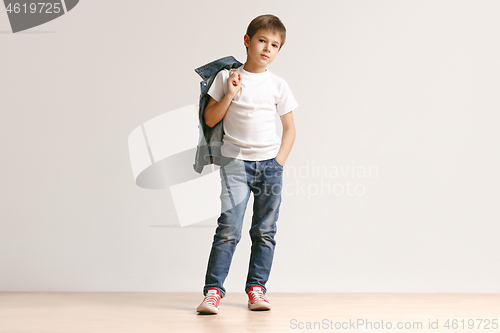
257	300
211	302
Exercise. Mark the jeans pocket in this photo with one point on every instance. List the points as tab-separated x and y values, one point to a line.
277	163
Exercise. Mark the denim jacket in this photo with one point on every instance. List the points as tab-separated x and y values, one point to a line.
210	141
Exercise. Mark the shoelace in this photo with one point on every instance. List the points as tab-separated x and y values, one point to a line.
257	296
212	299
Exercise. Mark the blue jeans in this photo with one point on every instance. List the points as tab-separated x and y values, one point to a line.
238	179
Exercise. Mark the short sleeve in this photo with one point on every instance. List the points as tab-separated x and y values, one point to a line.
219	86
286	102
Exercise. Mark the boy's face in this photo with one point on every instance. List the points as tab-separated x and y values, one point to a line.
263	47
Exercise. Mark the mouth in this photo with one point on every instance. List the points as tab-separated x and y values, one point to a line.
264	56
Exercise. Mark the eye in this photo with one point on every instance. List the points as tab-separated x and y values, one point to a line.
275	45
261	40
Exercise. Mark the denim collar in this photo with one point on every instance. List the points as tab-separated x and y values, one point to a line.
210	69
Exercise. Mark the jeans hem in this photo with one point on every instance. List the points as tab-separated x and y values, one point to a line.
247	288
222	294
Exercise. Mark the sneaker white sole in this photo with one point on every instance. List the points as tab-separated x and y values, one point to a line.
207	309
259	306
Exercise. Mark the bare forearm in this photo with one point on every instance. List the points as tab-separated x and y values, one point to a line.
287	141
216	112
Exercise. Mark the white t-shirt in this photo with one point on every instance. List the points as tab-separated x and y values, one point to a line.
249	124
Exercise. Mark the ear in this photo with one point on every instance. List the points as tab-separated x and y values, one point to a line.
246	40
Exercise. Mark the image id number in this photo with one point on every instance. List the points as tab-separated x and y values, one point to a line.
34	8
471	324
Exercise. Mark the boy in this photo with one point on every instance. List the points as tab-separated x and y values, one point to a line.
253	157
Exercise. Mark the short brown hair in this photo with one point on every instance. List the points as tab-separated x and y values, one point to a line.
269	22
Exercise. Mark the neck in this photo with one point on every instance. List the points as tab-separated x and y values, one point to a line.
252	68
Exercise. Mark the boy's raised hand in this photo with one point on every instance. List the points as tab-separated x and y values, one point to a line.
233	83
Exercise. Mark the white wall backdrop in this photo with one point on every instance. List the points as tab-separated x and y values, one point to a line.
398	103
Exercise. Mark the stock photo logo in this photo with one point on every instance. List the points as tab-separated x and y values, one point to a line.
25	15
162	151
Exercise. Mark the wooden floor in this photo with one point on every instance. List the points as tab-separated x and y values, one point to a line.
65	312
